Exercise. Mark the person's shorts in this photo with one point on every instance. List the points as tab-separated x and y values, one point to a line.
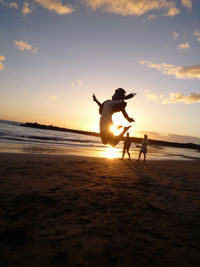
143	150
126	147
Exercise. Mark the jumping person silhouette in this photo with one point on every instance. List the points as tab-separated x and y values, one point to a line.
106	110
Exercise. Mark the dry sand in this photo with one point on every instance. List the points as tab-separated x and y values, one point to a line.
79	211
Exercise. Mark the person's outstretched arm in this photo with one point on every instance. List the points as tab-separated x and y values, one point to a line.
95	100
126	116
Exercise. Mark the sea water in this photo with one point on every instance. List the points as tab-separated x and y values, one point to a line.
15	138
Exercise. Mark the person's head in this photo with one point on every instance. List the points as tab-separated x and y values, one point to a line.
119	94
145	136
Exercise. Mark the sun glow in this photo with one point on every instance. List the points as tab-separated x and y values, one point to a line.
113	128
112	153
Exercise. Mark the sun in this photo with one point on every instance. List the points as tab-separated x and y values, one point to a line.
113	128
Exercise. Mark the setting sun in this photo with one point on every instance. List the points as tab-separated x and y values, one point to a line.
113	128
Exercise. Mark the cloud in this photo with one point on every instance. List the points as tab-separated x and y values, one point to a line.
80	82
173	11
1	66
21	45
152	96
35	50
187	3
52	97
197	35
185	46
175	35
174	98
26	8
188	72
151	16
13	5
178	98
55	5
133	7
2	58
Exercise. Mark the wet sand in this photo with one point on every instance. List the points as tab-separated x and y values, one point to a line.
81	211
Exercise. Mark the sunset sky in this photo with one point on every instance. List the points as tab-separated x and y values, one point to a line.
55	54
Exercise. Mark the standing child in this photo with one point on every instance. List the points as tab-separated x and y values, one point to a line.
127	144
144	148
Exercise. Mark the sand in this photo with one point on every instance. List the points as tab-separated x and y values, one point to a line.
81	211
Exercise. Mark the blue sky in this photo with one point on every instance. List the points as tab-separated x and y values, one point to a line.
55	54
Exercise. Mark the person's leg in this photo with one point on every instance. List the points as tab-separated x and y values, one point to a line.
129	156
104	137
114	140
139	155
144	157
123	153
119	127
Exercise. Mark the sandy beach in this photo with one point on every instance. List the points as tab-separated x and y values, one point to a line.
81	211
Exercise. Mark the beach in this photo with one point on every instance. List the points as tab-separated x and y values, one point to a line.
62	210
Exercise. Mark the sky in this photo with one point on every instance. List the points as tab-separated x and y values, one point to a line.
55	54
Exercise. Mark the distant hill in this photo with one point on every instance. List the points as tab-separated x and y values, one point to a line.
133	139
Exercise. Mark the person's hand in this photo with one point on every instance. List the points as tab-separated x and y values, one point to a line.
131	120
94	97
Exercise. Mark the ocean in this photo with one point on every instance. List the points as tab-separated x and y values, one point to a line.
15	138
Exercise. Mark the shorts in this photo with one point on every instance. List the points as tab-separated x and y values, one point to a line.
143	150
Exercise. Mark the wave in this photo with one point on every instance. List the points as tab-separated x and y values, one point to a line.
13	132
16	123
44	138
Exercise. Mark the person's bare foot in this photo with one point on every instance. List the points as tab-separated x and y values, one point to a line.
126	128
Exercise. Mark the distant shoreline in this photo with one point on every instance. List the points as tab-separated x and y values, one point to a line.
133	139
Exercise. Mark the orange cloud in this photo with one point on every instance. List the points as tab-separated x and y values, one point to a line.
21	45
175	35
133	7
151	16
1	66
174	98
13	5
185	46
52	97
26	8
2	58
187	3
197	35
152	96
190	72
55	5
173	11
178	98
